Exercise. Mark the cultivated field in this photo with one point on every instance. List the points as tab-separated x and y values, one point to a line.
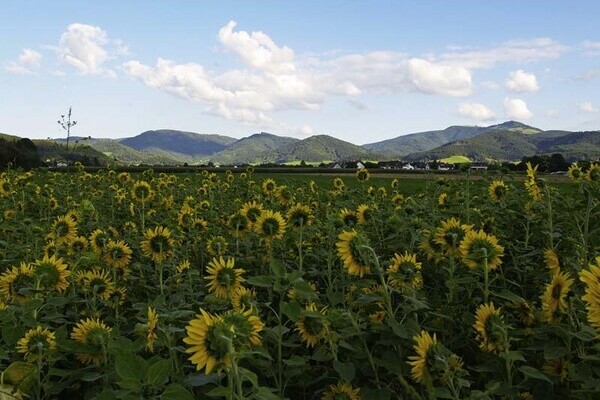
254	286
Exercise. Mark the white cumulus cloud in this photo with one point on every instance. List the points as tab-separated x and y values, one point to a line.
476	111
587	107
516	109
28	61
521	81
591	48
87	48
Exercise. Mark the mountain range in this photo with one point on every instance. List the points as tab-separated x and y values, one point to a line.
508	141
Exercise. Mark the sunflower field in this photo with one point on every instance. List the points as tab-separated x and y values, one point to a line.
231	285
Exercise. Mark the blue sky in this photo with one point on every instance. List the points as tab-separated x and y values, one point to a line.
362	71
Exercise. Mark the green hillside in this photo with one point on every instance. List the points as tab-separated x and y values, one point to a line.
316	149
51	150
252	149
179	142
425	141
128	155
510	145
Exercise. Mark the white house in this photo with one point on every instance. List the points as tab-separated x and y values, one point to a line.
408	167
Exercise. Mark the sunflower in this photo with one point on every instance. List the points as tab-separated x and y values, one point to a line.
97	282
238	223
490	328
252	211
429	246
591	279
424	346
442	200
555	296
404	271
395	184
283	195
558	368
64	230
94	334
16	280
450	234
397	199
117	254
341	390
348	217
186	216
36	344
151	336
531	183
312	325
299	216
217	246
575	173
158	244
5	188
270	225
552	261
124	177
269	186
209	339
351	251
593	173
183	266
246	327
362	175
382	191
98	240
338	184
497	190
479	249
142	191
51	273
223	279
78	245
243	298
364	213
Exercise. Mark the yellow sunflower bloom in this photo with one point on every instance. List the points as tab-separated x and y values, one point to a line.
552	261
450	234
94	334
36	344
151	335
223	278
479	249
312	325
117	254
364	213
497	190
341	390
299	216
490	329
158	244
591	279
352	255
405	272
16	280
270	225
51	273
424	344
575	173
208	338
64	230
555	296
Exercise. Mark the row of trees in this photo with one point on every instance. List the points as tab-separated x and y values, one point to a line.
20	153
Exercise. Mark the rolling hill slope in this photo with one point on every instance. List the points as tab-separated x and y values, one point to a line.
252	149
179	142
425	141
317	149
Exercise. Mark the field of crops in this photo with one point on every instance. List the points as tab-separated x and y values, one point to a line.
237	286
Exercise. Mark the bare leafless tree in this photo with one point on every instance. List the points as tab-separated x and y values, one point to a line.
66	123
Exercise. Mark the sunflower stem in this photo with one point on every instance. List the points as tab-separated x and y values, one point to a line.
486	277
